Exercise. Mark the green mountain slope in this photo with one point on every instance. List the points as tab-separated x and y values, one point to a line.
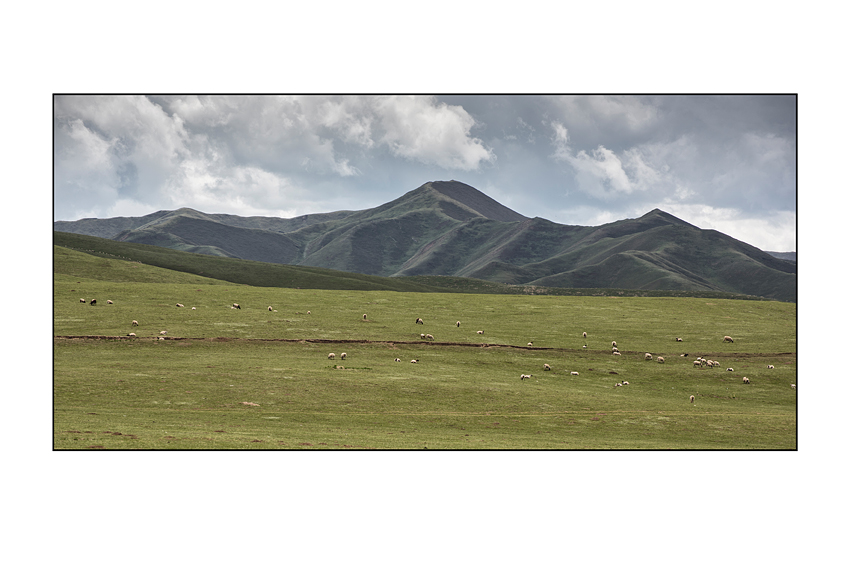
447	228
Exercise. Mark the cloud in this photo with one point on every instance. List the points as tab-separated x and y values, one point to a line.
419	128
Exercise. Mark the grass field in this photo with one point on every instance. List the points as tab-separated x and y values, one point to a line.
251	378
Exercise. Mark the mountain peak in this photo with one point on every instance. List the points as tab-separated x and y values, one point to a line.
474	199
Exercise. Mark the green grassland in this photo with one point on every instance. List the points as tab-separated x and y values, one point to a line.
251	378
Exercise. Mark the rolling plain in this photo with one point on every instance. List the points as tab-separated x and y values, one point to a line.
254	378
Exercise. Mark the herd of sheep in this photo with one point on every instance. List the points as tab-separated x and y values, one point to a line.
699	362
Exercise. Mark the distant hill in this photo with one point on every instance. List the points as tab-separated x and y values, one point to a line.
447	228
790	256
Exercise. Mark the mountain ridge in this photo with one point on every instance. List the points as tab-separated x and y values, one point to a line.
448	228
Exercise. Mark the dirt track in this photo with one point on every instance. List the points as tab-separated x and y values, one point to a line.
419	343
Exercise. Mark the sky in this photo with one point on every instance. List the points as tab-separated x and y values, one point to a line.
724	162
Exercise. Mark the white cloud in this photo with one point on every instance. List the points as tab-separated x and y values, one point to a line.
419	128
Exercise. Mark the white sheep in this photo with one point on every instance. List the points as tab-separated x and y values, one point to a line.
422	336
728	339
617	384
414	361
308	313
614	349
530	344
770	366
364	316
584	334
625	383
419	321
793	386
524	376
194	308
178	305
135	323
617	353
236	306
647	356
573	373
730	370
270	308
397	360
613	343
161	338
547	367
692	399
331	356
458	323
109	302
343	355
429	336
163	332
131	334
480	332
678	339
746	380
82	300
660	359
697	362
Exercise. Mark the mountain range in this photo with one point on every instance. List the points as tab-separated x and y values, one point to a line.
449	228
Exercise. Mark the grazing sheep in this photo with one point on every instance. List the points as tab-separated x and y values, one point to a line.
730	370
161	338
585	346
617	384
524	376
429	336
458	323
584	335
547	367
82	300
678	339
728	339
746	380
178	305
660	359
135	323
270	308
308	313
614	349
343	355
93	302
613	343
573	373
364	316
331	356
419	321
235	306
193	308
697	362
692	399
422	336
397	360
414	361
616	353
109	302
625	383
647	356
163	332
480	332
131	334
770	366
794	386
